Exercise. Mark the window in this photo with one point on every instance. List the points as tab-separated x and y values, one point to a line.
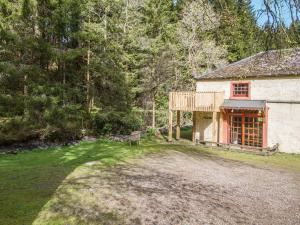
246	130
240	90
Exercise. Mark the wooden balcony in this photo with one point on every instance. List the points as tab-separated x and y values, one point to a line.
196	101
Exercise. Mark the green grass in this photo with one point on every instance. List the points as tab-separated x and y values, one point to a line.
289	162
29	179
185	133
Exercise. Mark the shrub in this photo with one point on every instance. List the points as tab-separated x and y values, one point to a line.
116	122
17	129
151	132
56	124
63	123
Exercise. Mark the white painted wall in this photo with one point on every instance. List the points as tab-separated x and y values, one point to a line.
284	119
267	89
203	131
284	126
215	86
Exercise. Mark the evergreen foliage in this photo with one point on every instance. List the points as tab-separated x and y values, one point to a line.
73	67
238	29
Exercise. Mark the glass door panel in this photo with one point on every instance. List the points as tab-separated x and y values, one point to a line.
246	130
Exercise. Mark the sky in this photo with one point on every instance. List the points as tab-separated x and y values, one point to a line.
258	5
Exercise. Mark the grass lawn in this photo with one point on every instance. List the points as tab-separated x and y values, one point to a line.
29	179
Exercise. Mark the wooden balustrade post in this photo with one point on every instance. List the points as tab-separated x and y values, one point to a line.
171	104
178	125
215	127
170	138
194	127
221	129
196	101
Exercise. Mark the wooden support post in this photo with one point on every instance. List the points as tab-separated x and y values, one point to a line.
170	126
221	129
178	126
215	127
243	129
194	127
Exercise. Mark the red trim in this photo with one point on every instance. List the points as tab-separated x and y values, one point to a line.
265	128
228	129
240	97
226	125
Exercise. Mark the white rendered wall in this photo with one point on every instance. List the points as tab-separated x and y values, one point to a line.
284	126
268	89
215	86
283	118
203	131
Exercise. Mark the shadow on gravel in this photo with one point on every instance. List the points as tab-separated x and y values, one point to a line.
178	187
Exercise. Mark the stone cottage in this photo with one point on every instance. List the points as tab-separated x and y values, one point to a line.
254	102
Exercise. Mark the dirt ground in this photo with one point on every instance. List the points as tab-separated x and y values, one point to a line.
186	188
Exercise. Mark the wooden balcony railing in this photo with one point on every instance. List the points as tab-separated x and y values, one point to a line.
196	101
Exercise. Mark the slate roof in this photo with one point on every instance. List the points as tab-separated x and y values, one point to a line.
244	104
274	63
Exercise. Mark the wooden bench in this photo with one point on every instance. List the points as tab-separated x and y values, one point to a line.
135	137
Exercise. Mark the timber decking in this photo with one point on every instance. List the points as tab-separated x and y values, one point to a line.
196	101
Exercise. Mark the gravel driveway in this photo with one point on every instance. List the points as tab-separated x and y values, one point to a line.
188	188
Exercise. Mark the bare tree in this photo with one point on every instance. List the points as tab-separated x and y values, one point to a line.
158	77
277	10
276	13
202	53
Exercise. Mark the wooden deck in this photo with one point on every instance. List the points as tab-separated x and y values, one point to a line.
196	101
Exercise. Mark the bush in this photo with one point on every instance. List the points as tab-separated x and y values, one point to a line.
63	123
17	130
116	122
57	124
151	132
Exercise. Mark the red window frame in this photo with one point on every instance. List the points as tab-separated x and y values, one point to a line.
227	126
245	96
247	129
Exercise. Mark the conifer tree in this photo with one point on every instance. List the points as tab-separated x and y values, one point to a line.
238	30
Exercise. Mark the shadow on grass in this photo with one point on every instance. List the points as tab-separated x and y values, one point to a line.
29	179
185	134
75	200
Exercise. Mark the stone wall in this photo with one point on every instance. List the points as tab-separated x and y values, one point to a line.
262	89
284	126
283	118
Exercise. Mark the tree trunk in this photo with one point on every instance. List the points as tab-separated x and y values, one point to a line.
64	83
126	16
153	111
105	26
25	94
88	81
89	96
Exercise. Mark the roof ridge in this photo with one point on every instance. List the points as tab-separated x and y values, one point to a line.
249	60
232	64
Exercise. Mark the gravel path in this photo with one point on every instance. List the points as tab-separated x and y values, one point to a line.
189	188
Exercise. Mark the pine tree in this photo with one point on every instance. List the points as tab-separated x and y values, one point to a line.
238	30
71	67
294	33
156	20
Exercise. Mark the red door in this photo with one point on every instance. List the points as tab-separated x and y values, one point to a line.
246	129
236	126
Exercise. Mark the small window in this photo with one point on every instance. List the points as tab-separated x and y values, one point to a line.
240	90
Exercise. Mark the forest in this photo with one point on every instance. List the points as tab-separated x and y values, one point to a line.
70	68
